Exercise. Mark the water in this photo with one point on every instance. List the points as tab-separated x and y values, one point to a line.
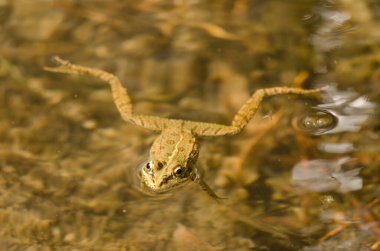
301	169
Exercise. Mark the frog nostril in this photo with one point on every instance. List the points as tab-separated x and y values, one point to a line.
160	165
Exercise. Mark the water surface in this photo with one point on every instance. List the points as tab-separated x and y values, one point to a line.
303	175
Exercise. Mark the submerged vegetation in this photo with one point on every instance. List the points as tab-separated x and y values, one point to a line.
303	175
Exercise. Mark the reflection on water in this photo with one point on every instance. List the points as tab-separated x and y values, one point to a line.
337	148
341	111
333	26
350	109
326	175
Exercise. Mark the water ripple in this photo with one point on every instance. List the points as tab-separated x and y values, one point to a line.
342	111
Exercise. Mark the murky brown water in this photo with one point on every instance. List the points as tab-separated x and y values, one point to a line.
303	175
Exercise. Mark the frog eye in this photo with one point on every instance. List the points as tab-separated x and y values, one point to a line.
178	171
149	166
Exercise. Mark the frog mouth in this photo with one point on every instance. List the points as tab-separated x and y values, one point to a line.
161	190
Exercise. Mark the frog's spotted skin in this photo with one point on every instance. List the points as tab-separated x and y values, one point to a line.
175	151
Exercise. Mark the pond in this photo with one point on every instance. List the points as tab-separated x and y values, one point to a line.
303	174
